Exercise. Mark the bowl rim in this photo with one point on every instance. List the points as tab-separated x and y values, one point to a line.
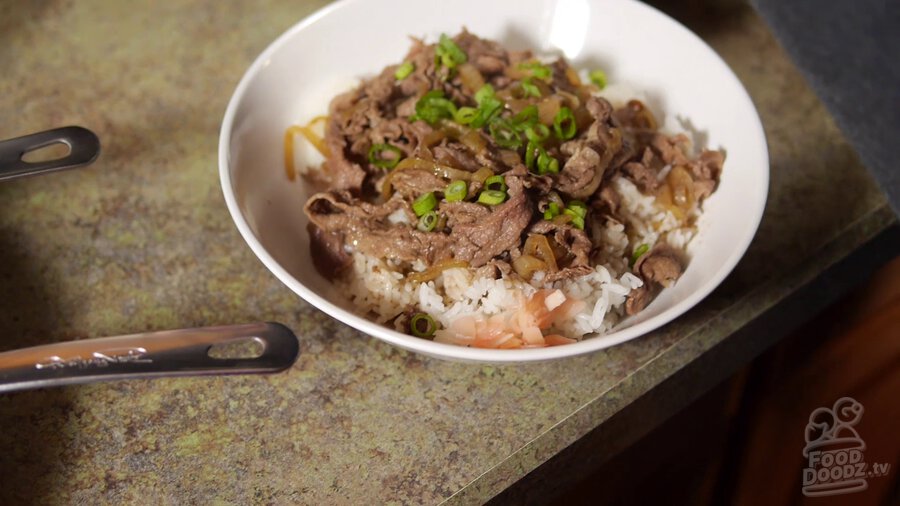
455	352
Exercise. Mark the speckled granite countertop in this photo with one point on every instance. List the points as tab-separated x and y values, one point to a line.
142	240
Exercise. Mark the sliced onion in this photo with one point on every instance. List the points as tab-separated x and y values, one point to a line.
547	109
434	137
573	77
435	270
682	184
526	265
311	135
481	174
471	78
537	246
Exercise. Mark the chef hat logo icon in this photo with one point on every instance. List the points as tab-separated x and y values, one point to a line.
834	450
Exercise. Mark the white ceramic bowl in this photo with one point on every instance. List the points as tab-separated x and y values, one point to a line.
680	76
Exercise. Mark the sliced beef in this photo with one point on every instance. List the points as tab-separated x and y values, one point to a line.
366	227
463	213
573	259
489	57
457	156
662	265
582	173
638	299
495	233
495	269
607	200
411	183
590	155
404	243
644	173
706	170
342	173
327	250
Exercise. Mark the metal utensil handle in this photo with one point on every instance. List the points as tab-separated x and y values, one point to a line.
154	354
83	144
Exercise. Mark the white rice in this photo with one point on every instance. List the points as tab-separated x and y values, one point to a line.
379	289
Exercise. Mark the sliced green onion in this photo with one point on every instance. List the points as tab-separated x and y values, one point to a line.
422	325
638	252
546	163
449	53
483	93
578	206
564	124
426	202
428	221
552	211
487	109
598	77
466	115
404	70
504	134
377	158
576	221
525	118
537	133
532	150
456	191
433	107
491	197
495	183
537	69
530	89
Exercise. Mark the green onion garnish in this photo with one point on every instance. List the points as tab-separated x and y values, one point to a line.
552	211
426	202
546	163
504	133
433	107
377	156
537	133
456	191
422	325
487	109
530	89
532	150
638	252
537	69
491	197
525	118
495	183
449	53
564	124
485	92
579	207
428	221
488	106
576	220
598	77
466	115
404	70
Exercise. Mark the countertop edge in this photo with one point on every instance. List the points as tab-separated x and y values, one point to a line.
594	414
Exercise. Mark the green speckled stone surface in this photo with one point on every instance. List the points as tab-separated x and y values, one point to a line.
141	240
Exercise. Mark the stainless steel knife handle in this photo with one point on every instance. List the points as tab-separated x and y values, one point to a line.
84	147
184	352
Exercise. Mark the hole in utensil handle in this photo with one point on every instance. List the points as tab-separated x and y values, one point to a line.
243	348
47	153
